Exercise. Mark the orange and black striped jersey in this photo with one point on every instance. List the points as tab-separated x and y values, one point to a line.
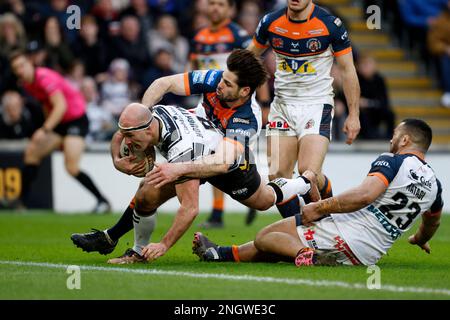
210	49
304	53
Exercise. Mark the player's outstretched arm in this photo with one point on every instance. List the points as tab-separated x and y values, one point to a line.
218	163
352	200
428	227
171	84
187	194
352	93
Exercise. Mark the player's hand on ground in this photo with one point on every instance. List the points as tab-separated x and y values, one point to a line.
351	128
425	247
153	251
309	214
162	174
129	165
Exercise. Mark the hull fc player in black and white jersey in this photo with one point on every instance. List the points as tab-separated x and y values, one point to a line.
181	136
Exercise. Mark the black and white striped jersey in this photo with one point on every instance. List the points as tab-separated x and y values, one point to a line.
184	136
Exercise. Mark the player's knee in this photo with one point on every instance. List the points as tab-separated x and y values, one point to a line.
143	203
72	169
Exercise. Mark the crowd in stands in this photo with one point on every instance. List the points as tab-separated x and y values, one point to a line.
122	46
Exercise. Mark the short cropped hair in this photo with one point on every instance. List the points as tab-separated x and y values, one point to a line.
248	67
420	132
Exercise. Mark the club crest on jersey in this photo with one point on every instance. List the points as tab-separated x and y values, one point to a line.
313	45
277	42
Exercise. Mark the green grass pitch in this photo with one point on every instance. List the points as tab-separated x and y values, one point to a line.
35	250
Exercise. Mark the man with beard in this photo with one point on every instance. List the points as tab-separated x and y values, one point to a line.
210	49
358	226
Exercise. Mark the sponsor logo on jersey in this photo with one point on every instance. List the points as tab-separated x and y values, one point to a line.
280	125
277	42
315	32
239	120
344	36
299	67
309	124
338	22
280	30
242	33
239	191
313	45
212	77
309	237
421	179
295	45
381	163
198	76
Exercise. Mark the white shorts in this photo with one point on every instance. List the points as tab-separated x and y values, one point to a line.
299	120
325	238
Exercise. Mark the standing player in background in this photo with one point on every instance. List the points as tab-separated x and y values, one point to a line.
65	124
305	39
210	49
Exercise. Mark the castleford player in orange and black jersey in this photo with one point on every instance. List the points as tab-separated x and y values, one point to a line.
210	49
305	39
211	45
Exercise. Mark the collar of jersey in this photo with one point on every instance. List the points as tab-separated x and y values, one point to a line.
301	21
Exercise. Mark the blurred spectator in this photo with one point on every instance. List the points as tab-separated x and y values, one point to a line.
76	74
12	34
37	53
418	16
340	104
163	62
129	46
166	36
58	9
17	121
107	19
28	13
89	48
439	45
249	15
115	91
101	122
59	55
141	10
375	109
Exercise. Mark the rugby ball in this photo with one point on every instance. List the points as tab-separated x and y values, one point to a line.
148	156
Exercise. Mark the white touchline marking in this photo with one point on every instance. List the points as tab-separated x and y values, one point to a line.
290	281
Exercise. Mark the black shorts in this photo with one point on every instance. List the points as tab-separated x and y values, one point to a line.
77	127
240	184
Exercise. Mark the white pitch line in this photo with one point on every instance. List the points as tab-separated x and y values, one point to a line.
289	281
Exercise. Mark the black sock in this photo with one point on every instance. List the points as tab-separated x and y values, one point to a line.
29	173
124	225
216	215
290	208
225	253
89	184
